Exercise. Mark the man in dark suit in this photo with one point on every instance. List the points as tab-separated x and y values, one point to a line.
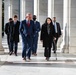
14	35
7	31
27	31
57	33
35	38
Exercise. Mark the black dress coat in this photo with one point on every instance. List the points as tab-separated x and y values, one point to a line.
58	30
45	37
6	28
7	31
14	31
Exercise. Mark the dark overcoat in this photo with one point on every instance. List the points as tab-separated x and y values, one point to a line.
14	31
45	37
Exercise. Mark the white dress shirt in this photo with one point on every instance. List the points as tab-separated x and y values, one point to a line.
55	26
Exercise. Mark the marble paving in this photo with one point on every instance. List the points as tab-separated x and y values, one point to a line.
12	65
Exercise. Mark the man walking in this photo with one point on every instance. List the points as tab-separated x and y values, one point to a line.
7	31
14	35
27	32
35	37
57	33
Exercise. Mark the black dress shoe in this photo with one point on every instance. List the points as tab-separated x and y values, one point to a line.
54	52
35	54
32	53
10	53
24	58
47	58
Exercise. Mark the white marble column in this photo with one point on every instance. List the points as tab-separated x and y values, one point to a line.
16	8
22	9
66	24
43	10
50	8
7	10
1	48
58	11
72	37
36	8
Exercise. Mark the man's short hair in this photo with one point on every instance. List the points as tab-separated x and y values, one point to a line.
27	14
54	17
10	19
15	16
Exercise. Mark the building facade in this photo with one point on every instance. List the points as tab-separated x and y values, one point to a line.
64	10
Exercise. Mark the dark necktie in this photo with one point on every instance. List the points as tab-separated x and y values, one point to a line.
28	23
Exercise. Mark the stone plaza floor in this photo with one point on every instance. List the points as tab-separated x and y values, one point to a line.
14	65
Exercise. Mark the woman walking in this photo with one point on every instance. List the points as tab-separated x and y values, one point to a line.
47	37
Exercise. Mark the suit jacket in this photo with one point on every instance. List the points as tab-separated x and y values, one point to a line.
25	30
11	31
58	29
14	31
37	27
7	28
45	37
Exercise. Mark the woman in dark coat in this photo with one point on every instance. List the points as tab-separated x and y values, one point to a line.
47	36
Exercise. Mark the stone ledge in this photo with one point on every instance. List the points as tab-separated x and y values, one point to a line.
72	49
1	50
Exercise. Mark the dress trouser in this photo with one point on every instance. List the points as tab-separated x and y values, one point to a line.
35	42
13	46
8	42
27	45
47	52
55	43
